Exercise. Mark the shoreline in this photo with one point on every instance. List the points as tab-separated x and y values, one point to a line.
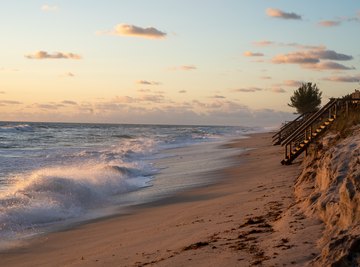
244	218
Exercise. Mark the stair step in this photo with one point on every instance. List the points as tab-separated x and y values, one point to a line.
327	123
323	126
331	119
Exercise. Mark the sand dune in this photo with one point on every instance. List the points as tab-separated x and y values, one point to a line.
328	189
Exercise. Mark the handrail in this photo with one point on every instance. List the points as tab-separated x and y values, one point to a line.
287	125
310	121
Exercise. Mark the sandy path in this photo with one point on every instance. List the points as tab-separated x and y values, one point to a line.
249	218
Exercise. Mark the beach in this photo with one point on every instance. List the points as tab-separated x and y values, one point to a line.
248	217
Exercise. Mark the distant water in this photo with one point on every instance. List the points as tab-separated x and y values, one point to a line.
54	172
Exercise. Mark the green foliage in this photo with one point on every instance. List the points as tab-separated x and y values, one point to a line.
306	99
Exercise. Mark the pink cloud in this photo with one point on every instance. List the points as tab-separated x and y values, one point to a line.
329	23
184	67
277	13
263	43
188	67
55	55
312	59
136	31
252	54
292	83
346	79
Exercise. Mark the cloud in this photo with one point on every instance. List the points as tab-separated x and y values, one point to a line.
126	99
70	74
2	92
277	90
69	102
48	8
144	82
144	90
277	13
48	106
9	102
214	111
292	83
154	98
296	45
312	59
252	54
330	54
218	97
188	67
182	92
136	31
295	58
184	67
346	79
55	55
248	90
302	46
311	56
329	23
328	66
266	77
263	43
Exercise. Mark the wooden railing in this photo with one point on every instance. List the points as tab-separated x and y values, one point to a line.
314	126
288	128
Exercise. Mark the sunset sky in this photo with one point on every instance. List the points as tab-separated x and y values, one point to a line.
218	62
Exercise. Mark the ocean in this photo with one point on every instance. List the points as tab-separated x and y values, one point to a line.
55	174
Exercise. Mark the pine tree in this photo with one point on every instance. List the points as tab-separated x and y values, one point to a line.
306	99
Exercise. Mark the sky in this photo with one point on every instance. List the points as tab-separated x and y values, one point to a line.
205	62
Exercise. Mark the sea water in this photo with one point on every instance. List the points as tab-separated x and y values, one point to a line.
55	173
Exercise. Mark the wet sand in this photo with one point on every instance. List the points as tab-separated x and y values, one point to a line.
248	217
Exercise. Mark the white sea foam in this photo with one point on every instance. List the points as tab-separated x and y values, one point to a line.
55	194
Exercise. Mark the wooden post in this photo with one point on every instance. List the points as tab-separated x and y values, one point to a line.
336	109
290	150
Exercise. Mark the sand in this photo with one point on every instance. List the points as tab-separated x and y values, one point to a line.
249	217
329	189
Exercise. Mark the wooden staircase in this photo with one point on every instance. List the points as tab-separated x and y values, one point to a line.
310	128
296	136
